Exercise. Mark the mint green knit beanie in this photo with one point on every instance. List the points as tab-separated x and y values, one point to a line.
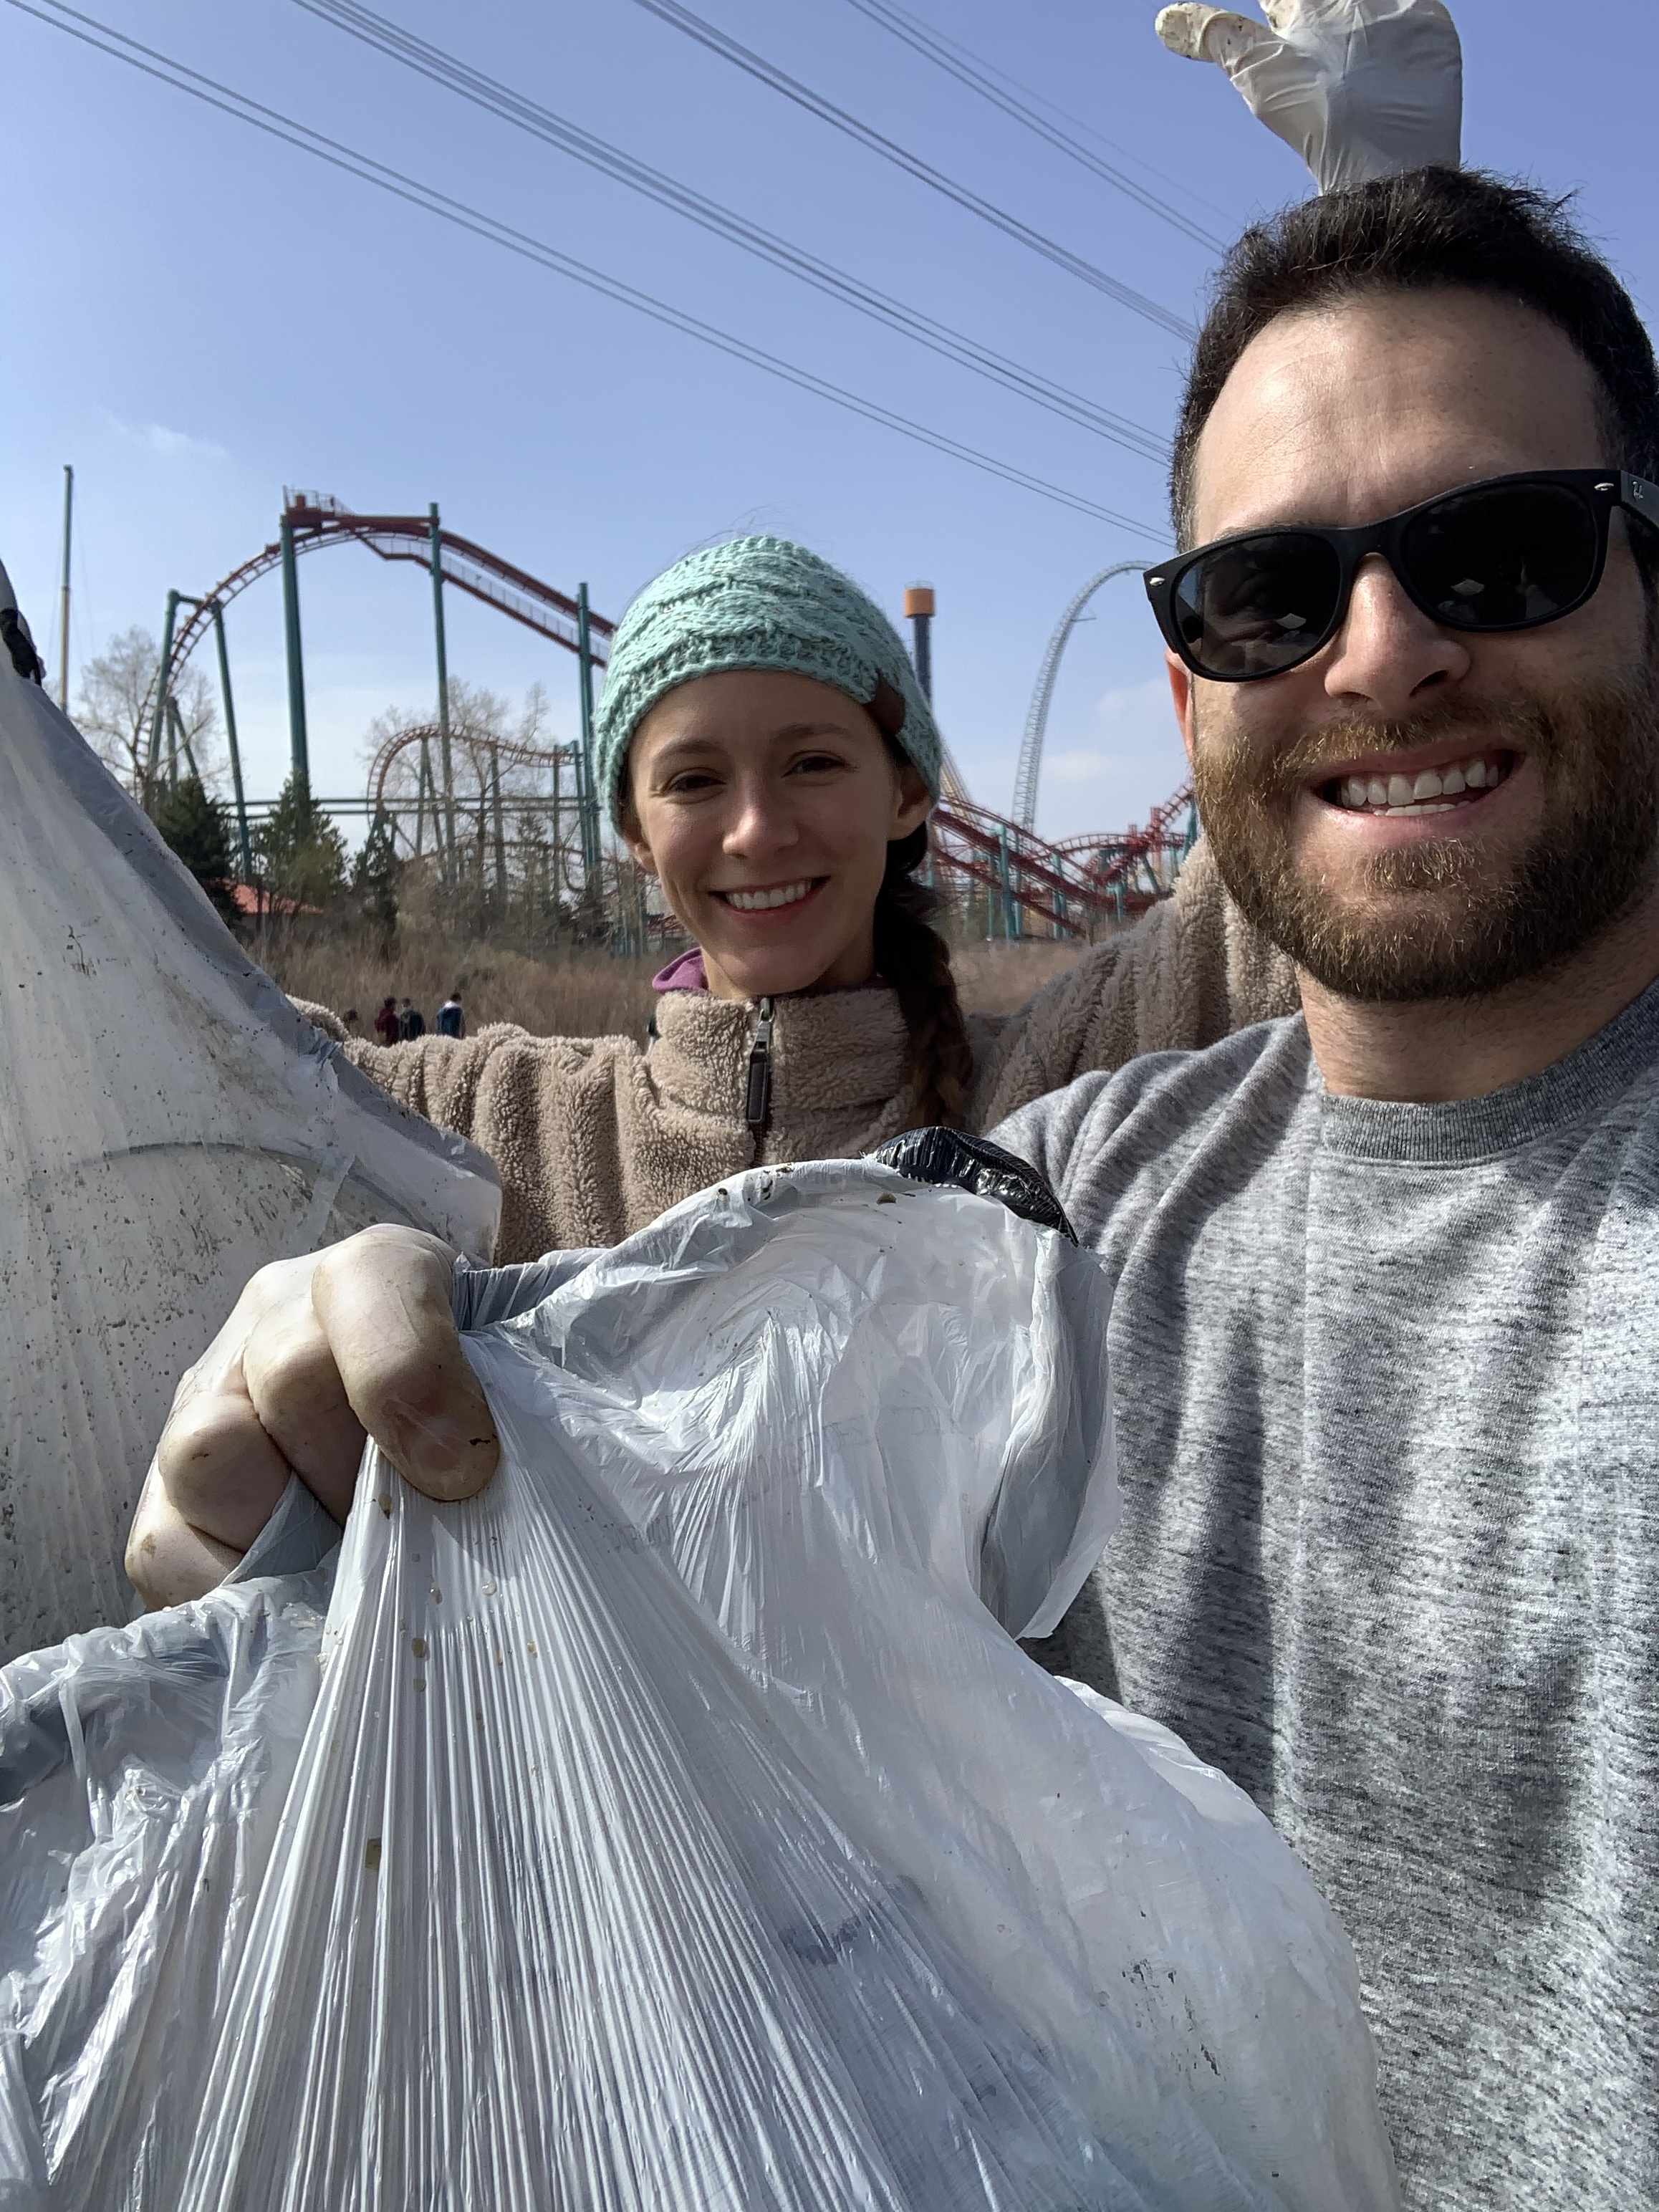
757	603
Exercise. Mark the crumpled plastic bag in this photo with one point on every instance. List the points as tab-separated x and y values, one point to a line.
169	1125
1359	88
678	1827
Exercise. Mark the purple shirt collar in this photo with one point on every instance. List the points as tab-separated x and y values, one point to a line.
685	972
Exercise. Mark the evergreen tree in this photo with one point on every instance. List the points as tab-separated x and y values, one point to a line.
375	880
302	855
198	828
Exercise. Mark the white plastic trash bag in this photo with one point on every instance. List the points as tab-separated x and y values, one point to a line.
1359	88
168	1124
679	1827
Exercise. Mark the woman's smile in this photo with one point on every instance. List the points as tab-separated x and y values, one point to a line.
770	898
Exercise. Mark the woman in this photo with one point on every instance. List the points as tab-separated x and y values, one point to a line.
764	749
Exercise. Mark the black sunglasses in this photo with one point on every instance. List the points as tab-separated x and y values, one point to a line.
1507	553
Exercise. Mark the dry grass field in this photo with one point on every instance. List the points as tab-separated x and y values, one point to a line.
563	993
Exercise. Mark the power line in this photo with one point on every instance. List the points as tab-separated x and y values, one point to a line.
1035	99
948	55
239	106
444	69
744	58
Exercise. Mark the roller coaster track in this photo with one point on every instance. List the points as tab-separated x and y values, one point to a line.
1036	719
1072	886
319	520
1020	878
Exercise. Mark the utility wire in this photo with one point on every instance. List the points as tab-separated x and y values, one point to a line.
116	44
444	69
744	57
1181	184
947	55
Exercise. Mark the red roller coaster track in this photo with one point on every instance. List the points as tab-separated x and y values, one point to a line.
1024	880
319	520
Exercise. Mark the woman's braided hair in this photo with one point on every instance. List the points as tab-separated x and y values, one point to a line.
914	960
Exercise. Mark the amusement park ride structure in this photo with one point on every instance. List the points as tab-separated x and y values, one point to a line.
1004	879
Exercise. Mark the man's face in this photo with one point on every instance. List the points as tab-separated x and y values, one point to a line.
1545	741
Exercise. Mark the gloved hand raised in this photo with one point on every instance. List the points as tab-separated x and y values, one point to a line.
358	1339
1360	88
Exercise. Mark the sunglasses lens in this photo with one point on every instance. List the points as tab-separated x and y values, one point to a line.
1502	556
1258	606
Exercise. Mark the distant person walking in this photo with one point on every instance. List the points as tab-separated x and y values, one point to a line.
452	1016
386	1022
411	1022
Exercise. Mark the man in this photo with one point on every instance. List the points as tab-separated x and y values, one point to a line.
411	1022
386	1022
1384	1336
452	1016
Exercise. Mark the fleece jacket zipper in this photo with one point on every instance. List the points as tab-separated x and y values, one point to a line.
757	1097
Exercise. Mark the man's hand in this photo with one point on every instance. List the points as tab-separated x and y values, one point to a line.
1360	88
358	1340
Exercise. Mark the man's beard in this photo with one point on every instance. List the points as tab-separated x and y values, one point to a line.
1598	758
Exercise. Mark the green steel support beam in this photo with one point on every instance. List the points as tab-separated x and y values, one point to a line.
424	784
243	843
299	752
163	679
1009	911
584	696
180	743
444	760
500	840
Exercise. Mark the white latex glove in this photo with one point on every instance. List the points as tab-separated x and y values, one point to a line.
1360	88
359	1337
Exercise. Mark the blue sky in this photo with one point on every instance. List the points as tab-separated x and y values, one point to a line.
197	316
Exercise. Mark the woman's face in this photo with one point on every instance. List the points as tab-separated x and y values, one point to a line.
765	804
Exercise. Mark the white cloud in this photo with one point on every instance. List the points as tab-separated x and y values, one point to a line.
1124	759
167	444
1075	767
1136	710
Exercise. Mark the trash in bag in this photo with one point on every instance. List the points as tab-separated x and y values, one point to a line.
678	1827
168	1124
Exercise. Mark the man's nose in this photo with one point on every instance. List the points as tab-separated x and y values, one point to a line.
1387	654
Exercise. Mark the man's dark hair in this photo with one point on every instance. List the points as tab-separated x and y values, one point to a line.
1417	231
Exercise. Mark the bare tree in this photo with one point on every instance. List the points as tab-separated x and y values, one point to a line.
116	702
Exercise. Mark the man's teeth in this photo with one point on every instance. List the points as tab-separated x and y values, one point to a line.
1434	791
753	901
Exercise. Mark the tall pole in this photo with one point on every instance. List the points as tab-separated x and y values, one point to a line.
443	686
62	663
585	694
230	740
296	674
919	608
163	678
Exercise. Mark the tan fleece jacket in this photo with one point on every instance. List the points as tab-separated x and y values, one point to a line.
595	1136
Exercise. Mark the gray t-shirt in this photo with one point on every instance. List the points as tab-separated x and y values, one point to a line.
1387	1380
